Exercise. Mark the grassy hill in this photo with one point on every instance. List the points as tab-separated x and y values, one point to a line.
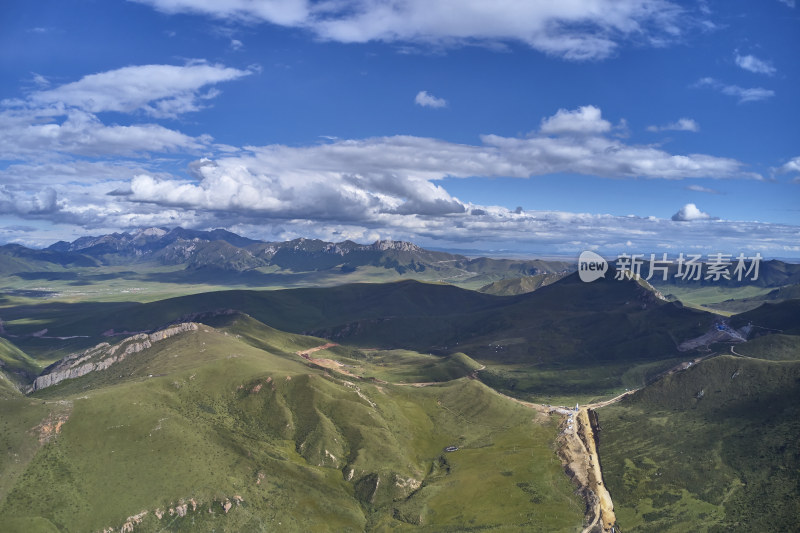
395	312
772	273
776	347
714	448
522	285
572	338
740	300
230	416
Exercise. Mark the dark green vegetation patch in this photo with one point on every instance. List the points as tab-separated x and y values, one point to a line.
715	448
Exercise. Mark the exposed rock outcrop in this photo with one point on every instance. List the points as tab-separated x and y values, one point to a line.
104	355
179	511
132	521
400	246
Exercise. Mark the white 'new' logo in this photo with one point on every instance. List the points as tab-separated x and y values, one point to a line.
591	266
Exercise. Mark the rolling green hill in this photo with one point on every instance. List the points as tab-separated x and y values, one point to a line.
514	286
771	273
739	301
775	347
296	310
17	258
228	429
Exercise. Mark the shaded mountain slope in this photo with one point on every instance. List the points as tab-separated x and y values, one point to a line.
775	347
714	448
600	330
771	273
522	285
16	366
563	319
783	317
16	258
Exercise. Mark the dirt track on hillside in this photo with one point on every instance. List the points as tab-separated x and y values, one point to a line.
305	353
330	364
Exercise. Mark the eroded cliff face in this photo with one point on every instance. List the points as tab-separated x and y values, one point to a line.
104	355
577	448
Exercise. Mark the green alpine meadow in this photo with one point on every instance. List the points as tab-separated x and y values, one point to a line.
407	403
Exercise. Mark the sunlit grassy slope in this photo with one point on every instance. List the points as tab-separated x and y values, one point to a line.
231	413
715	448
15	365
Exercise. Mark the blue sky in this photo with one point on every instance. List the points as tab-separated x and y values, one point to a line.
543	128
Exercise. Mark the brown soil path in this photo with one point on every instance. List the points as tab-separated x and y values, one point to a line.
305	353
325	363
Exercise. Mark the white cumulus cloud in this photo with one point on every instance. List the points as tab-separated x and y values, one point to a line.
391	186
64	119
283	12
35	134
425	99
689	213
367	180
584	120
792	165
42	202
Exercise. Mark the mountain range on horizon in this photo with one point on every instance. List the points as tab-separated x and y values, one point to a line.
219	253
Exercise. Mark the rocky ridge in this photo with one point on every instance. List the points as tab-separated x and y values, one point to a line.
104	355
